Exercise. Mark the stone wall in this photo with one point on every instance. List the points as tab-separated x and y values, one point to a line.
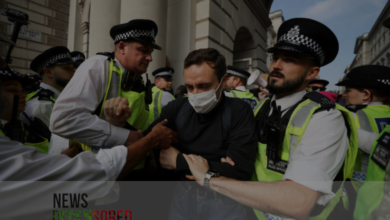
49	17
233	28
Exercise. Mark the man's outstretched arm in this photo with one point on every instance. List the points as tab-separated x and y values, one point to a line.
281	198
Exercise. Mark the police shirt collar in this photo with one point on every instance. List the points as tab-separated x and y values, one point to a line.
374	103
120	65
45	86
241	88
290	100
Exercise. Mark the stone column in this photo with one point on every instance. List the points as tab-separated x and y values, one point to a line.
155	10
104	14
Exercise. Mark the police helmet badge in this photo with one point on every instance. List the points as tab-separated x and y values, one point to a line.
294	32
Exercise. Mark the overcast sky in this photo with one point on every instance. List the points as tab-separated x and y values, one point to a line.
348	19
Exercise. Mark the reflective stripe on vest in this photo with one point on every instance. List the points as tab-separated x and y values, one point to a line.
155	106
258	106
294	132
373	196
246	96
372	119
31	95
139	115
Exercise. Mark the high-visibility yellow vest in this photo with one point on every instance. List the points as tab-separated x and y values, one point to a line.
36	93
295	129
372	197
42	147
372	118
246	96
155	106
139	115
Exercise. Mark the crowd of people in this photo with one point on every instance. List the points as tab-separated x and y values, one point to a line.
286	149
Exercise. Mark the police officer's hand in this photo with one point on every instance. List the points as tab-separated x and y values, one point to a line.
198	166
117	111
168	158
133	137
162	136
71	152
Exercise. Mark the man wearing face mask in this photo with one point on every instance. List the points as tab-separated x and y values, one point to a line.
305	140
236	79
213	126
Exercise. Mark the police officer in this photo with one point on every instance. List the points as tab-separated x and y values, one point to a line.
236	79
20	162
78	58
160	92
297	161
109	82
34	134
55	65
367	95
317	84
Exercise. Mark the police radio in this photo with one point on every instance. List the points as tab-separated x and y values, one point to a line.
148	92
19	19
14	129
274	135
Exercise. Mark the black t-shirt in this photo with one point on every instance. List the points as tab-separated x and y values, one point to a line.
203	134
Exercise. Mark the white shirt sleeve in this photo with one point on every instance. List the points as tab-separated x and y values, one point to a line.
166	97
22	166
72	116
320	154
366	140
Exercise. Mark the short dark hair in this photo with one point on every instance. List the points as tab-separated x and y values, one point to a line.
211	56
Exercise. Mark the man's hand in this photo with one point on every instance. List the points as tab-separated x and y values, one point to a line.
117	111
168	158
162	136
262	95
198	166
71	152
133	137
227	160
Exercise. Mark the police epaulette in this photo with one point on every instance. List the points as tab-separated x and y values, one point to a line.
45	94
355	108
324	101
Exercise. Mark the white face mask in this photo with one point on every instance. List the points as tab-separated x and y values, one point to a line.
204	102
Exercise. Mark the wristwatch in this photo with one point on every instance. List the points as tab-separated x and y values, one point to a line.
209	174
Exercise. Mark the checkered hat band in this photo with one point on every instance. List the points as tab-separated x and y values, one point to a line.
306	41
78	58
234	73
8	71
134	33
359	176
384	81
163	74
52	60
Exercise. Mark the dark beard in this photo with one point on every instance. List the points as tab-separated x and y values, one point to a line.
287	86
59	81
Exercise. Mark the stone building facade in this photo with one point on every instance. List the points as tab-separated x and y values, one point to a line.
237	28
372	48
276	19
48	27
